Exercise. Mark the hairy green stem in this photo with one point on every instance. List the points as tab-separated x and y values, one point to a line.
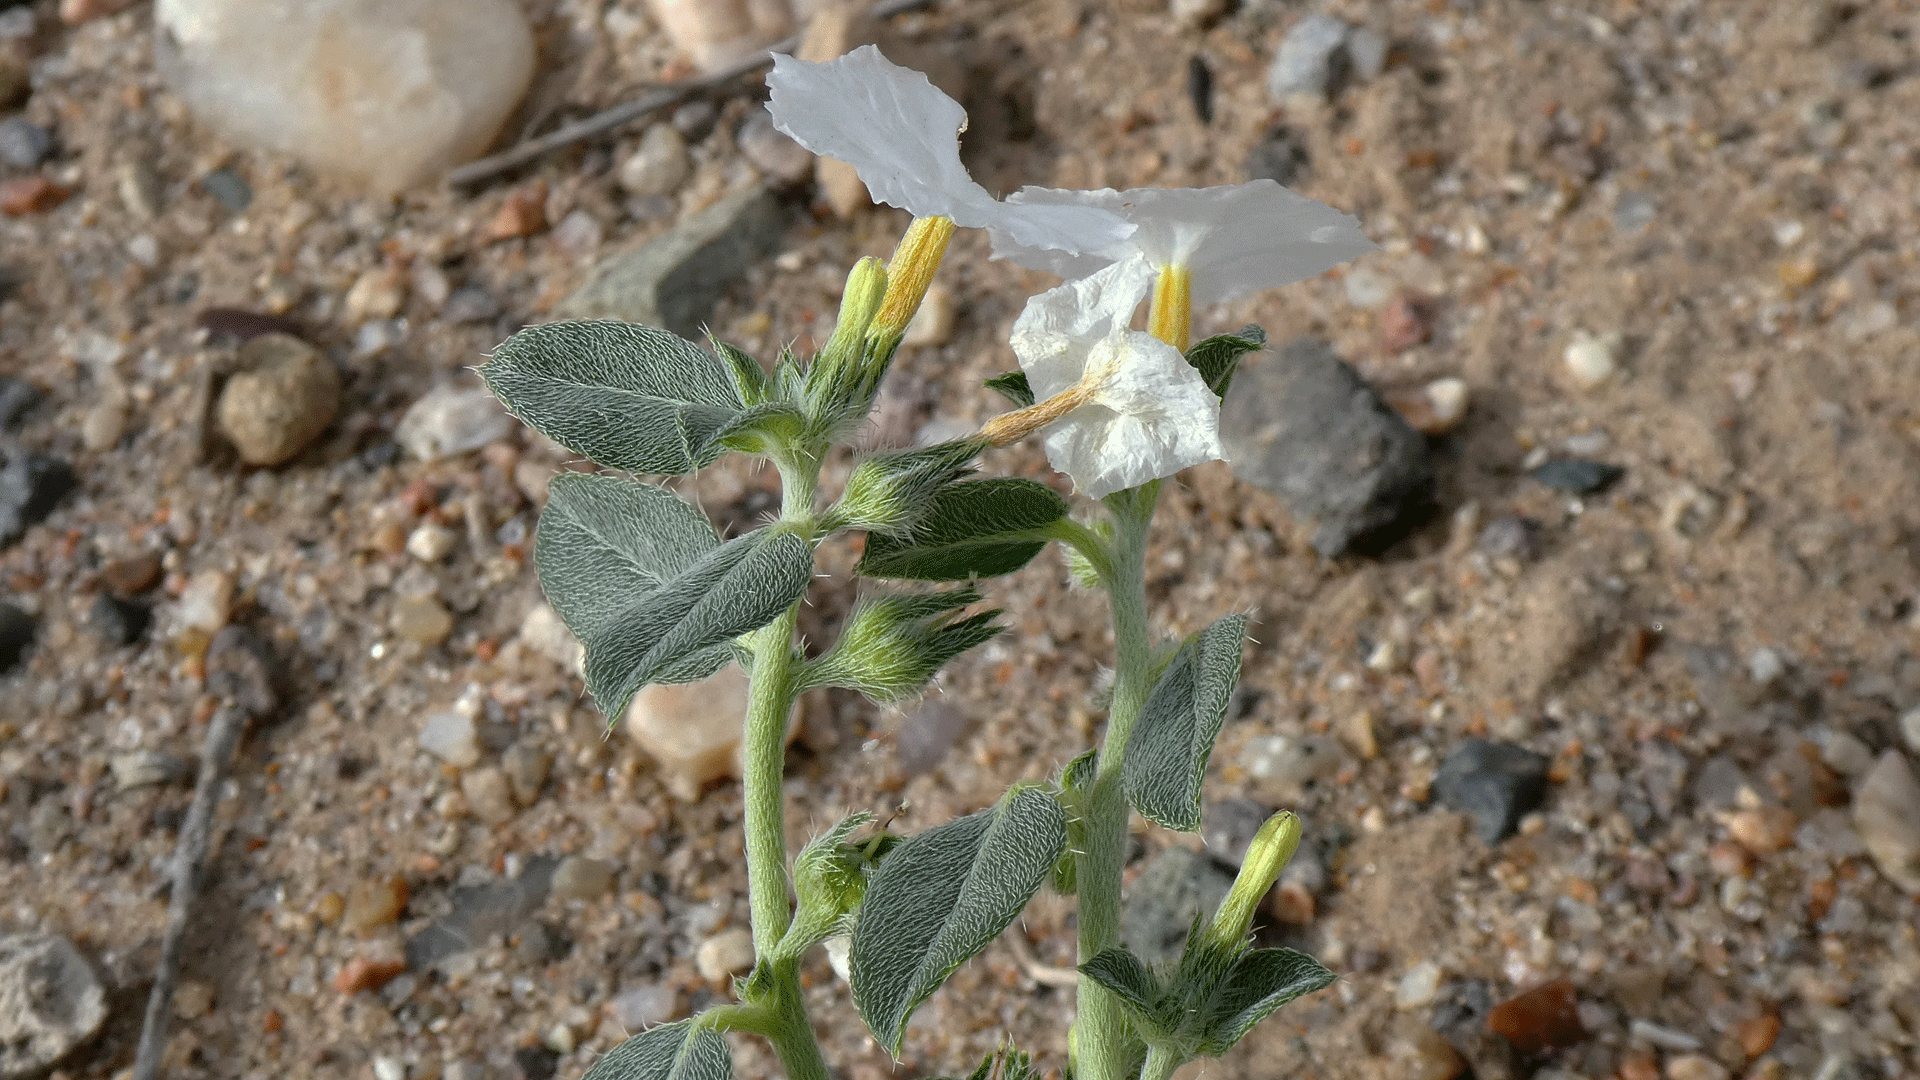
1103	1046
1160	1064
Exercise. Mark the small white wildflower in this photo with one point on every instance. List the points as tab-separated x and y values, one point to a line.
1232	240
1142	411
902	135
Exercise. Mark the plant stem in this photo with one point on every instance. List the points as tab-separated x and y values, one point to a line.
1102	1044
1160	1064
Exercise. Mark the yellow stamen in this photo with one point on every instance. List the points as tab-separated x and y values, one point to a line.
1009	428
1172	317
908	276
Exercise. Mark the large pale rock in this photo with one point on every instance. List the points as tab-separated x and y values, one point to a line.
389	93
714	33
1886	811
50	1002
693	730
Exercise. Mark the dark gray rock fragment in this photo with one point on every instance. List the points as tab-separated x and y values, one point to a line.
16	636
1578	476
1494	783
121	622
1176	885
482	912
16	397
31	485
1303	425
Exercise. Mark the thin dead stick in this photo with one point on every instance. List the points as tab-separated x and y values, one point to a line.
196	835
626	112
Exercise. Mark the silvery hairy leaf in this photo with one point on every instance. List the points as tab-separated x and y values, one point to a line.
1217	357
939	897
1168	749
972	528
1012	385
673	1051
629	397
1260	981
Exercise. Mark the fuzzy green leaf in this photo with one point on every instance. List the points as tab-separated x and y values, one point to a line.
629	397
1012	385
1260	981
973	528
1128	978
750	381
1168	750
604	541
941	896
673	1051
1217	357
737	587
889	492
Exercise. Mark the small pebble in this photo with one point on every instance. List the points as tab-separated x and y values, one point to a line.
1404	323
374	904
1197	12
330	907
389	1068
640	1007
1309	58
379	293
1696	1067
1367	52
430	542
1765	667
282	402
1886	812
580	878
242	326
16	82
144	768
16	397
207	601
729	952
469	304
1418	986
192	999
451	737
23	144
771	151
1665	1038
692	729
132	574
1281	155
367	973
227	189
104	425
536	1062
1910	729
522	213
31	486
1511	536
1539	1020
489	795
25	195
120	622
526	767
1434	409
1761	831
1592	359
1367	288
1578	476
447	421
659	166
578	232
140	190
421	619
1494	783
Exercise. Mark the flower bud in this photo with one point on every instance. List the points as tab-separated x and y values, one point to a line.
892	645
839	384
908	276
1272	848
890	492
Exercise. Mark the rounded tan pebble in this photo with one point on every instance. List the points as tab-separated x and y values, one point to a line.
285	399
192	999
489	796
371	905
728	952
580	878
421	619
1695	1067
329	907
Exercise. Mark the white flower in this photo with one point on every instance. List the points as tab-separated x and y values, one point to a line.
902	135
1232	240
1142	411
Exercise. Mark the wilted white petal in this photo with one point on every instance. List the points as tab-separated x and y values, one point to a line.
1234	240
1149	413
901	134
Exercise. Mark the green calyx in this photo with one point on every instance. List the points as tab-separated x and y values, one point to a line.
845	375
894	643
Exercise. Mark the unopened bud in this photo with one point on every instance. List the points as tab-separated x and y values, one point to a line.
838	380
1272	848
908	276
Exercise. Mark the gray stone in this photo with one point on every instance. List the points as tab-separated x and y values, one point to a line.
580	878
1304	426
526	767
31	485
1228	828
771	151
1495	783
638	1008
468	304
1577	476
144	768
447	421
1281	156
1174	886
16	397
1367	52
659	165
1310	58
481	912
451	737
1511	536
240	671
24	144
1886	812
50	1002
674	279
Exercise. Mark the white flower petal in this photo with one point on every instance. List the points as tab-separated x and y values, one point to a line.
1054	331
1234	240
1150	414
901	134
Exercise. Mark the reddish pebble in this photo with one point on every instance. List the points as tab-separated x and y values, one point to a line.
271	1022
1292	904
365	973
30	195
1404	323
1639	1065
1539	1020
75	12
522	214
1756	1035
132	575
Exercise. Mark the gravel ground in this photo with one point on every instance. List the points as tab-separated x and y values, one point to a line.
1673	236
